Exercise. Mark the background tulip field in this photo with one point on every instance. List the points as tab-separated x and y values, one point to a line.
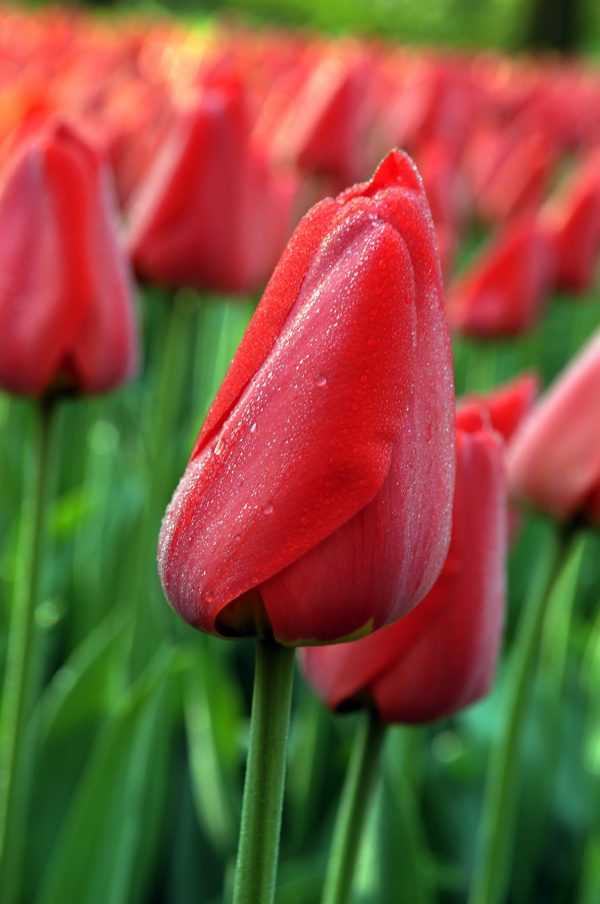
136	737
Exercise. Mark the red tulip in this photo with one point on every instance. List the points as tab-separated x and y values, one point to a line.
519	182
446	196
316	503
66	313
442	656
504	291
210	214
325	127
554	459
574	223
505	406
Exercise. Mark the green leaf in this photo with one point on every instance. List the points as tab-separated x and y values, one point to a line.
212	713
105	837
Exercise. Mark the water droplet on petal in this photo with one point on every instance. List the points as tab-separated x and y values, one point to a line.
321	380
253	428
267	509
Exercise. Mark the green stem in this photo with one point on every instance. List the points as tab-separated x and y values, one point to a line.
499	804
256	869
352	810
20	662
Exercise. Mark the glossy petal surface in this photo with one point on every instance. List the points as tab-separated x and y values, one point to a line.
319	418
442	655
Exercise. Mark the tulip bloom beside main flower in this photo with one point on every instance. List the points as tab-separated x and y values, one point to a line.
66	313
554	459
210	213
317	500
442	656
503	293
506	406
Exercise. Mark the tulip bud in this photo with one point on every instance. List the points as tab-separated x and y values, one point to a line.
505	406
210	213
574	224
326	125
442	656
316	503
66	316
505	289
554	459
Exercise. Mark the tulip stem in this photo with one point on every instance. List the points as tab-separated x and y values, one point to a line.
256	869
499	805
352	809
20	663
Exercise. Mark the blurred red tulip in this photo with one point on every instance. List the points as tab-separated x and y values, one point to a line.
505	406
504	290
574	224
325	127
554	459
132	125
66	315
442	656
518	183
318	495
446	196
210	213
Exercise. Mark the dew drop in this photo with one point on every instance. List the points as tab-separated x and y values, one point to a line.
209	596
253	428
219	447
321	380
267	509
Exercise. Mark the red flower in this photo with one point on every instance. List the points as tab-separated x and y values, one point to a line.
446	195
66	314
506	406
320	485
518	184
210	213
325	128
554	459
442	656
504	291
574	223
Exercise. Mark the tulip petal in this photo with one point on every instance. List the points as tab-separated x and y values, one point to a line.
311	443
382	572
442	655
40	207
554	459
104	353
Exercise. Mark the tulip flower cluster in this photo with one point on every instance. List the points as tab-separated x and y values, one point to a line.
157	180
224	127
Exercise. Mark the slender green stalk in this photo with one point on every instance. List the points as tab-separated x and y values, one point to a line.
20	662
502	785
352	810
258	850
